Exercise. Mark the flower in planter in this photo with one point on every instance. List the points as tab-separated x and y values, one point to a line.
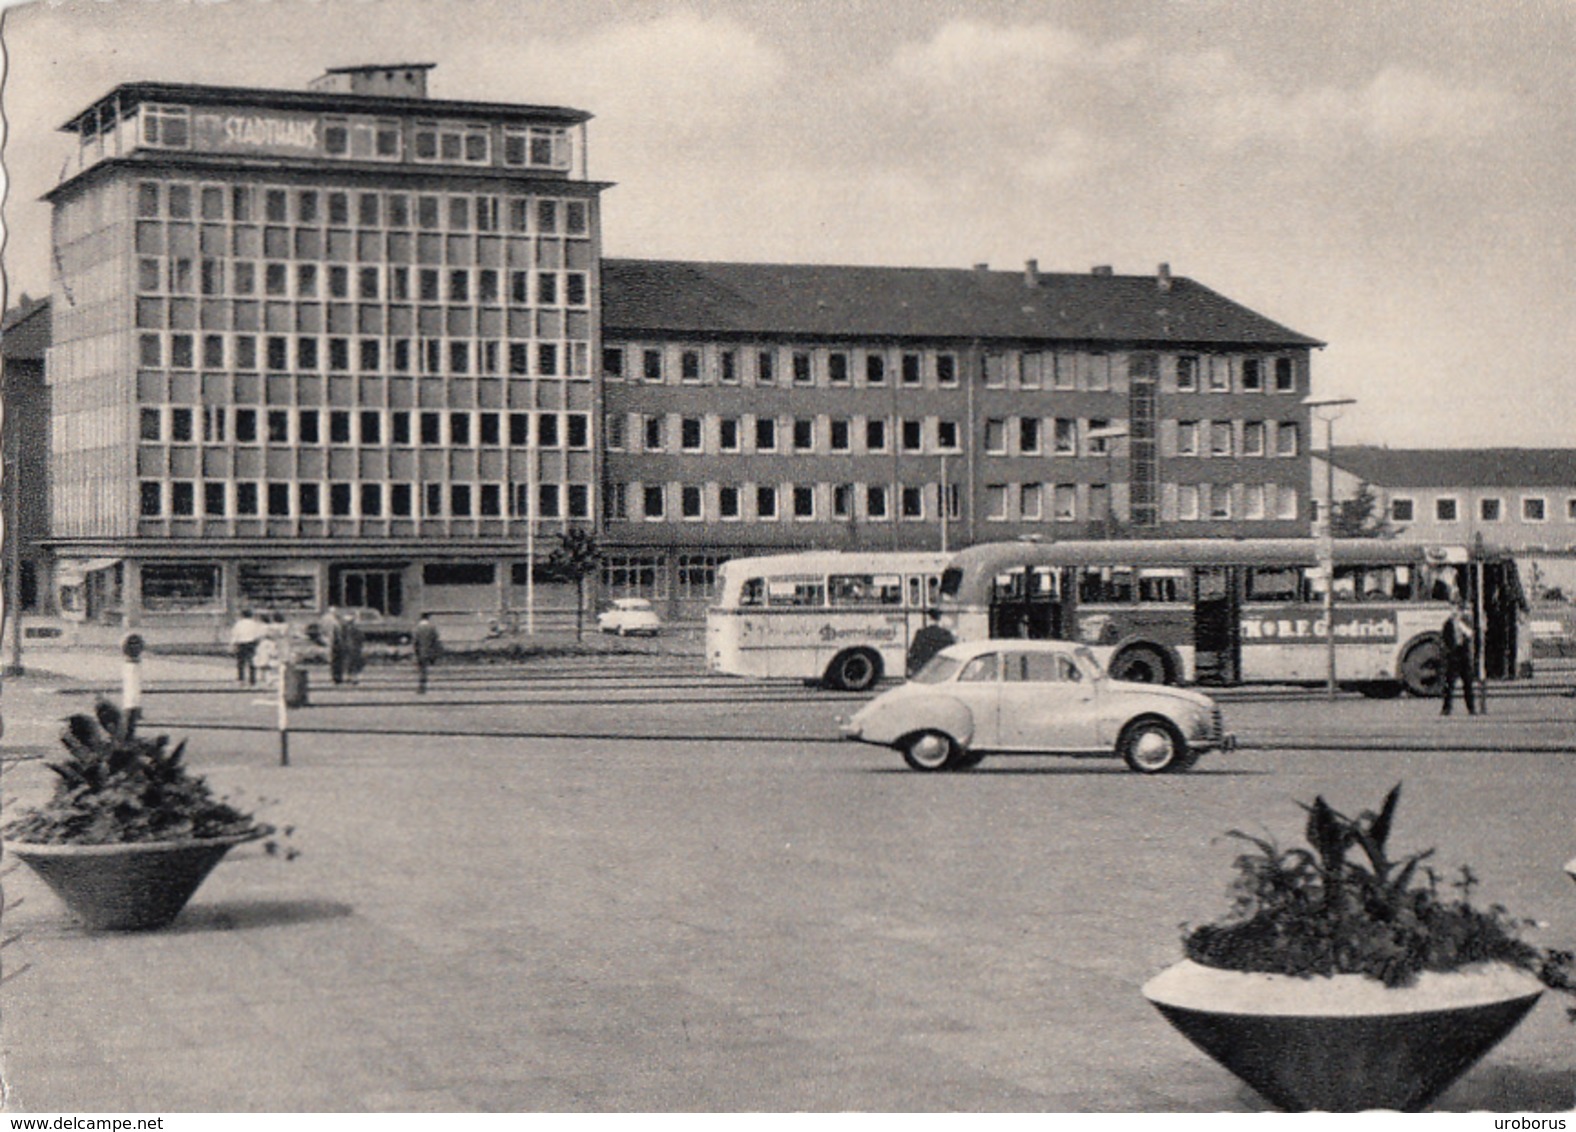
1346	979
129	833
1344	905
115	786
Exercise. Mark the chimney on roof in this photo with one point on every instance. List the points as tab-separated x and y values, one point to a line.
1101	269
1163	277
1031	273
388	80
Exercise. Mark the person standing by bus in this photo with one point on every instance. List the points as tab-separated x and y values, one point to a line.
928	642
1459	660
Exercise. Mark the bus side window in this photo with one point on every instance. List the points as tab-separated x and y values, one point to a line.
1162	585
796	592
1269	583
1105	584
753	592
916	593
932	589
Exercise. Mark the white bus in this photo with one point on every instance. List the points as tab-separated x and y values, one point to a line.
841	618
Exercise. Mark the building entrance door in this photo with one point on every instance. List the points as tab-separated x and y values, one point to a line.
377	587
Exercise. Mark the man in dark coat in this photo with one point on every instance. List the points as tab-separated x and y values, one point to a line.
426	647
928	642
1459	661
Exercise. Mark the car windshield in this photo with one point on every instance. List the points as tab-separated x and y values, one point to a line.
940	669
1089	662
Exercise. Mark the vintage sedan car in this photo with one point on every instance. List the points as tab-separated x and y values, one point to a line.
376	627
1036	697
630	616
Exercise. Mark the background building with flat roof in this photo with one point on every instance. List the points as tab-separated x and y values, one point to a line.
1523	499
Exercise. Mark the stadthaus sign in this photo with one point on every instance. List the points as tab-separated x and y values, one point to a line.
246	131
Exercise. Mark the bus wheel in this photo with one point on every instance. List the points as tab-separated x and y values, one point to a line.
855	671
1152	746
1140	665
1423	668
929	750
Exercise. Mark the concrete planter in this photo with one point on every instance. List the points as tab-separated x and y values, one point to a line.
130	886
1344	1043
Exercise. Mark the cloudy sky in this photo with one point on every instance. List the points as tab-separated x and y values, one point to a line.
1394	177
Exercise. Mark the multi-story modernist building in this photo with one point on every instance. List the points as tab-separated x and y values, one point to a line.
317	347
757	407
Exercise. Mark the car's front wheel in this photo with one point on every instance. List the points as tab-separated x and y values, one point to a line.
929	750
1152	746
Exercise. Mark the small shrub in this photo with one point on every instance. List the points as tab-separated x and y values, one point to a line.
115	786
1343	906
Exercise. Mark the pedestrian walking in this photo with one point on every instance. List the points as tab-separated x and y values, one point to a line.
355	650
244	635
266	659
928	641
426	647
336	645
1459	659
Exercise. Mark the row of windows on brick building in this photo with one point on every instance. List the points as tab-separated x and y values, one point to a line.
1024	436
1024	502
1066	371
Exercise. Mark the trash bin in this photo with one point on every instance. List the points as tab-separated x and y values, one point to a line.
295	686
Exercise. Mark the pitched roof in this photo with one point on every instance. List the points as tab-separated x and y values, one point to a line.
24	331
1460	467
958	303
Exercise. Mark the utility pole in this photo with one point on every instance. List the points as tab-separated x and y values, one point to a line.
1331	407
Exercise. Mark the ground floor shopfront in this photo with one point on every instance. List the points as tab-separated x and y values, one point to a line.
457	582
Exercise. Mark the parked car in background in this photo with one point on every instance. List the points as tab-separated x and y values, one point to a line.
630	616
1551	629
376	626
1036	697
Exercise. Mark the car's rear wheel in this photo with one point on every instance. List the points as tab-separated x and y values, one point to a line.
1152	746
929	751
854	671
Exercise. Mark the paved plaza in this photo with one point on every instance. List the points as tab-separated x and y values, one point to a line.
613	884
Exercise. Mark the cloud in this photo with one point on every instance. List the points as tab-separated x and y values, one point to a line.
1398	108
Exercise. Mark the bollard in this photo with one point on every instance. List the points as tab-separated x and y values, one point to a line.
131	648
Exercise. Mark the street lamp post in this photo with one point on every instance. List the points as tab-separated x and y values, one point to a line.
1331	408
